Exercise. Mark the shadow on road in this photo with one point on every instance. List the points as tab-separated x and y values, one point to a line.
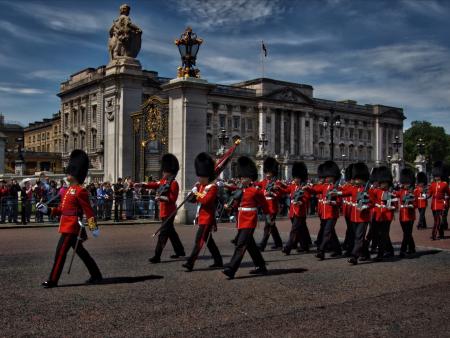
117	280
275	272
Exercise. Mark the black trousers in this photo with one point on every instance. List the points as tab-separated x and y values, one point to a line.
408	240
385	244
320	234
445	219
359	245
245	241
270	228
422	223
299	234
204	235
67	241
118	209
168	232
349	240
330	240
437	227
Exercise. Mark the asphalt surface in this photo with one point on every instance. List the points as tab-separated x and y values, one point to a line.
300	297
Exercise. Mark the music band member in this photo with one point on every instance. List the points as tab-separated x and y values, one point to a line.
74	203
167	190
205	195
247	218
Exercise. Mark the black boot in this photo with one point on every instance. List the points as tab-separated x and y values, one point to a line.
353	260
320	255
188	266
155	260
229	273
261	270
48	284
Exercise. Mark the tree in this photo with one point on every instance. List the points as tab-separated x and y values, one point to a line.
437	142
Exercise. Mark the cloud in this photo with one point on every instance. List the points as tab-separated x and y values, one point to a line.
48	74
211	14
427	7
66	19
7	88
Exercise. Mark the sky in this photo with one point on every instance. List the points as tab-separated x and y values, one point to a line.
393	52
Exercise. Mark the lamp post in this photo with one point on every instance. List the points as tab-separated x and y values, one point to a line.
343	156
397	144
420	146
389	159
188	45
223	139
334	122
420	161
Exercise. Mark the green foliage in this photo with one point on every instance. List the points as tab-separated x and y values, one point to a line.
437	142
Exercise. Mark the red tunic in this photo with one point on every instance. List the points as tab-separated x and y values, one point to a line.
384	212
206	204
167	201
346	200
273	196
327	209
74	203
422	201
300	209
358	215
406	213
438	192
252	198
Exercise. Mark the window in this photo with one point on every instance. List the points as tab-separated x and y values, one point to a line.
369	154
94	141
236	122
48	135
341	132
306	123
48	147
66	120
75	117
208	120
369	136
29	139
249	124
94	113
39	137
55	146
321	129
351	133
360	134
34	138
209	143
75	142
66	144
321	150
229	123
83	111
222	121
243	125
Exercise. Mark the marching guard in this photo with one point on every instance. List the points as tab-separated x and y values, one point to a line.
272	192
438	191
205	195
298	209
360	206
347	211
330	209
247	203
167	190
407	211
421	192
74	203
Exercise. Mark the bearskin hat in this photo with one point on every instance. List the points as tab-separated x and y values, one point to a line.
320	171
299	170
246	168
374	175
331	169
360	171
271	165
78	165
204	166
348	172
438	169
169	164
422	178
384	175
407	176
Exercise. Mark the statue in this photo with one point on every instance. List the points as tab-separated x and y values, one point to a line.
124	36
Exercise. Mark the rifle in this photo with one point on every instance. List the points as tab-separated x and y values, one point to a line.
362	198
388	197
408	199
331	194
220	165
298	195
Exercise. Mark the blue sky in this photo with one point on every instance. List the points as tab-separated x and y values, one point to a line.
389	52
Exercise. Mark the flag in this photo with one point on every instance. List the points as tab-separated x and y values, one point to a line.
264	49
223	161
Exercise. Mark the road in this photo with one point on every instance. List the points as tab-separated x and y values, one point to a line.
300	296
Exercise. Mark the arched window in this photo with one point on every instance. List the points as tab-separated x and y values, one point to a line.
321	150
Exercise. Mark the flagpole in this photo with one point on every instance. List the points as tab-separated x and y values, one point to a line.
262	59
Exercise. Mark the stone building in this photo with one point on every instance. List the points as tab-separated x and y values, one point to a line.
44	136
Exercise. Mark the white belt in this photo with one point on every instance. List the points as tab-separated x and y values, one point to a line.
248	209
269	198
406	206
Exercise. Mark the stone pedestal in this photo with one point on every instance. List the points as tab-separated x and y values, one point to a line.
421	164
122	97
188	103
19	168
396	167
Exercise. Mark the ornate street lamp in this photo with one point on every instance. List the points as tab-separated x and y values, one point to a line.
396	143
223	139
334	122
420	146
188	45
343	156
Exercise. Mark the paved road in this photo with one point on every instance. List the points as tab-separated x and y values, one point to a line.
300	297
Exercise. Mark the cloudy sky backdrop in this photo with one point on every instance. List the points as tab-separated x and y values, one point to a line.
390	52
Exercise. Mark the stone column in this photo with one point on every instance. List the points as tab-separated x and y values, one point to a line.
302	134
282	134
293	117
123	96
271	145
188	105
